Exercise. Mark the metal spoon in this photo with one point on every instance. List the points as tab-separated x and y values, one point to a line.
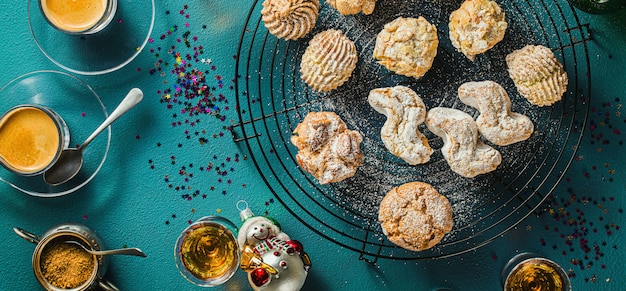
71	159
124	251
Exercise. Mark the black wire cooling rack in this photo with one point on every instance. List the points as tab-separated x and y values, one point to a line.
272	100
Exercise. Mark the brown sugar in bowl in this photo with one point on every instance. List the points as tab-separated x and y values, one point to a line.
60	266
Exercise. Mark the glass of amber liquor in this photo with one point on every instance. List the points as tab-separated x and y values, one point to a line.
531	272
206	252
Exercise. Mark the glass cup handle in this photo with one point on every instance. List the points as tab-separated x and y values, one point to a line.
27	235
106	285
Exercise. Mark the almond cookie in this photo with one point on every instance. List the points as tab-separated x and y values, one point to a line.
349	7
327	149
466	154
328	61
537	74
477	26
405	111
290	19
407	46
415	216
496	122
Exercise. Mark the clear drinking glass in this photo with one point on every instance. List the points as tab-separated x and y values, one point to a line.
531	272
207	252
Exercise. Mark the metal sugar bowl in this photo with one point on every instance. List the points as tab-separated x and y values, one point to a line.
62	266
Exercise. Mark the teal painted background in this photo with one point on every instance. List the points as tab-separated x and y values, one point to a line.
138	199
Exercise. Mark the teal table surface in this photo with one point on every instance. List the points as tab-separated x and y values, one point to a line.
167	168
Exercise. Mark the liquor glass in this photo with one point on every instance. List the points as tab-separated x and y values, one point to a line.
531	272
207	253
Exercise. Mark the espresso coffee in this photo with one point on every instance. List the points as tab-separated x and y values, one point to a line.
78	16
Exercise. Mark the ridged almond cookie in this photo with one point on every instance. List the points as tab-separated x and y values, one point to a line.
328	61
496	122
290	19
327	149
477	26
349	7
407	46
405	111
415	216
537	74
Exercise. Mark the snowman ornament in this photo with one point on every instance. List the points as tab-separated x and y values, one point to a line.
279	263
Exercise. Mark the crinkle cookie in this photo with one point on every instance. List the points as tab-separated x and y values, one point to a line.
496	122
327	149
477	26
537	74
415	216
328	61
290	19
466	154
407	46
349	7
405	111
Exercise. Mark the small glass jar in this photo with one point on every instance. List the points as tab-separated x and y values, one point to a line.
32	138
78	17
207	253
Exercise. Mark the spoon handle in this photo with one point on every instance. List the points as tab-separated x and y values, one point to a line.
133	97
125	251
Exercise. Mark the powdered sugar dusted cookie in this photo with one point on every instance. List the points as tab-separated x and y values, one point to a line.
538	74
327	149
349	7
290	19
462	149
415	216
328	61
496	122
477	26
407	46
405	111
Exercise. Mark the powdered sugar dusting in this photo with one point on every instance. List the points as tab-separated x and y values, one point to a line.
481	206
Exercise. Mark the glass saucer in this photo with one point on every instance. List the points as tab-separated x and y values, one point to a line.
99	53
81	108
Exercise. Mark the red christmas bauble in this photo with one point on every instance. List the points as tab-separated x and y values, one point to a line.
259	276
296	245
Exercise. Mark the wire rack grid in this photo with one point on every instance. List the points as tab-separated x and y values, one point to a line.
272	100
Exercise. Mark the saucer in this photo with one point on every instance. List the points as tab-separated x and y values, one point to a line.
81	108
99	53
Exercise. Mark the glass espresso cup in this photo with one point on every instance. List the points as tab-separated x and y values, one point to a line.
32	138
78	17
